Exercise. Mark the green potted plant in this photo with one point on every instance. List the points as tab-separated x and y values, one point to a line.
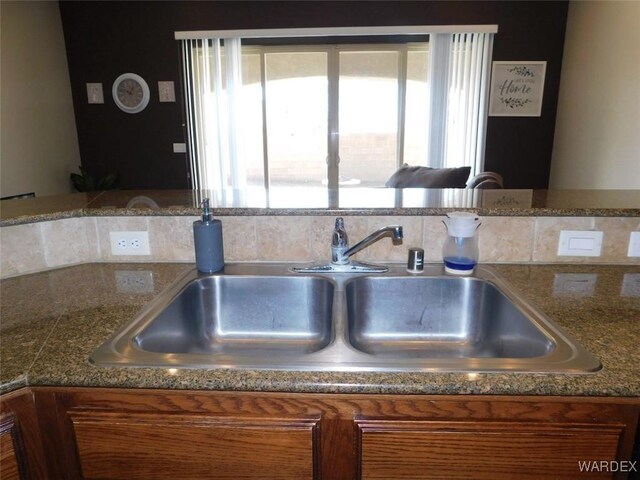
86	181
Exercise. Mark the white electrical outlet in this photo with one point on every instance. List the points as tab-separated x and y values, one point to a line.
129	243
574	284
587	243
634	245
134	281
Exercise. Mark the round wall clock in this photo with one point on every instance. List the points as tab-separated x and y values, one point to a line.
131	93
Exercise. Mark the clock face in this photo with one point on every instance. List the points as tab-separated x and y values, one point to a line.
131	93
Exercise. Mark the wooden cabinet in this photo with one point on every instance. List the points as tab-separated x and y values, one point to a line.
183	446
129	434
117	433
21	454
482	450
11	464
496	438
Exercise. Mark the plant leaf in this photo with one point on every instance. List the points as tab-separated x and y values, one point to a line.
106	182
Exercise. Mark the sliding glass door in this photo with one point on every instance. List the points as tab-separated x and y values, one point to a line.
340	114
296	106
336	115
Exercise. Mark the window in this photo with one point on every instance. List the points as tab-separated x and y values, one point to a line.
336	114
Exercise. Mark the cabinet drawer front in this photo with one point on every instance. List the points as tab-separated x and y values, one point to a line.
491	450
149	446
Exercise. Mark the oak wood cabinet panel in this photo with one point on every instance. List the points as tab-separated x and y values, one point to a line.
21	455
155	446
9	462
482	450
122	433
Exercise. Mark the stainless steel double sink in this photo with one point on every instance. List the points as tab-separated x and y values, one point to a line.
263	316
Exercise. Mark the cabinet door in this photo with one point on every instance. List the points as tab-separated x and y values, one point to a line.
483	450
10	467
120	445
21	454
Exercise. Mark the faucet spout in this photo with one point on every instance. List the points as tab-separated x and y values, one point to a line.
395	231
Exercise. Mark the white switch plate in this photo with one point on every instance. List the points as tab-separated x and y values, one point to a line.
94	93
179	148
577	243
129	243
166	92
634	245
574	284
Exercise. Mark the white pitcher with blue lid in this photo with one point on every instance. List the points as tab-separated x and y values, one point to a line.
460	250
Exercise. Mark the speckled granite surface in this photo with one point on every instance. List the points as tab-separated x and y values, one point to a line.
318	201
52	321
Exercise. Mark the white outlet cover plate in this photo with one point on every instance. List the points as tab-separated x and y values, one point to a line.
179	148
574	284
95	93
129	243
580	243
166	91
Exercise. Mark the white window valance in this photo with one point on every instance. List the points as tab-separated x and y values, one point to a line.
335	31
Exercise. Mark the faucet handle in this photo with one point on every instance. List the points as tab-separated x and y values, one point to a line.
339	237
339	243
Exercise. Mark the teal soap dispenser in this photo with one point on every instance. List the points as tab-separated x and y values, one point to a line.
207	238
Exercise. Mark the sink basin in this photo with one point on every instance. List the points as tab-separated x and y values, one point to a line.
437	317
243	315
263	316
227	320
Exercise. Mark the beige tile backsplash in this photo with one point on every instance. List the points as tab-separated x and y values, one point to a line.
171	239
21	249
506	239
70	241
616	239
547	234
39	246
238	237
287	238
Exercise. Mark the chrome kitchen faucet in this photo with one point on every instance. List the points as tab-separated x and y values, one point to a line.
341	253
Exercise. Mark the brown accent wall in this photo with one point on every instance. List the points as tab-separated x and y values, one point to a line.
105	39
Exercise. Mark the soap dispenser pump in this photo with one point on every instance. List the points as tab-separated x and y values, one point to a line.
207	238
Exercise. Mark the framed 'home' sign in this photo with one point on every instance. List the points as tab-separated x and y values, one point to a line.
516	89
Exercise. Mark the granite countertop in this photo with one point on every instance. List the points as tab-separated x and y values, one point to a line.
52	321
321	201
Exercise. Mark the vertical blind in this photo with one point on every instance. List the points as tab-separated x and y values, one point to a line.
468	99
212	92
458	99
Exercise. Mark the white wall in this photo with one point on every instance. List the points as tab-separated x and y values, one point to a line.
597	138
38	139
